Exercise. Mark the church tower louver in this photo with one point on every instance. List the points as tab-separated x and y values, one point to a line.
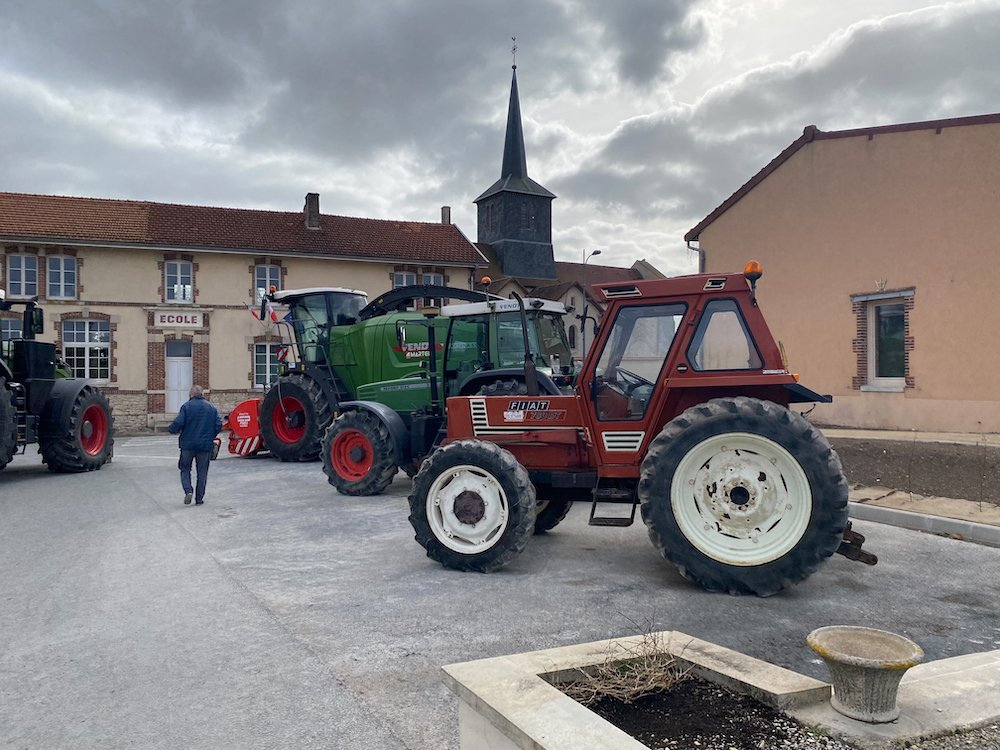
515	213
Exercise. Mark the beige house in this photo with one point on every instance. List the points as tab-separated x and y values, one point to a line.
145	298
880	249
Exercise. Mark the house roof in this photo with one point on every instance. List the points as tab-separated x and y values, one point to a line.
51	218
566	273
811	133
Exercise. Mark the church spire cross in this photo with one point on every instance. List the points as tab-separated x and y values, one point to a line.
513	52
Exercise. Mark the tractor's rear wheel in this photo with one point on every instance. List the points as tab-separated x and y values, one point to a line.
293	417
473	506
510	387
8	424
743	496
84	440
359	457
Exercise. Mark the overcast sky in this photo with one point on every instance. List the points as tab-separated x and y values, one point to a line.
640	115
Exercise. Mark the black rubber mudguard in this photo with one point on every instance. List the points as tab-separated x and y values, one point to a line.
59	405
803	395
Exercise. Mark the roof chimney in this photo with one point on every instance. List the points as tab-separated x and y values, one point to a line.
446	214
311	211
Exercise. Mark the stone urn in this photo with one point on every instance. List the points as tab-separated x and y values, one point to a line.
866	666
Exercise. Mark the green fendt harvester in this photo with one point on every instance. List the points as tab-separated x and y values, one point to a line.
365	385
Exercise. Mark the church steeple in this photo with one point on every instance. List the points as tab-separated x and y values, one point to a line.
515	212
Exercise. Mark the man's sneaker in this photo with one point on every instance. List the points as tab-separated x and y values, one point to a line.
187	498
199	502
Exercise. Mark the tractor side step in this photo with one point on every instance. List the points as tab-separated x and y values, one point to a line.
621	521
612	495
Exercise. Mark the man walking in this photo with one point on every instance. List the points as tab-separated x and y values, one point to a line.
198	422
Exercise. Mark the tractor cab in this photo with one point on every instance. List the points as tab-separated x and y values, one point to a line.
311	314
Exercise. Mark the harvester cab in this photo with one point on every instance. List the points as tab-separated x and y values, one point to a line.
681	410
40	401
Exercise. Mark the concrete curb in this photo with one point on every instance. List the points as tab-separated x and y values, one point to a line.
969	531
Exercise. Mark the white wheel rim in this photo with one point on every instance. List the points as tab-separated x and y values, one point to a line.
741	499
467	509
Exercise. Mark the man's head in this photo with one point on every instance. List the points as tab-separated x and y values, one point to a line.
196	392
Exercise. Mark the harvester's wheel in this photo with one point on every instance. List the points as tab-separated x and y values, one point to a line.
359	457
84	440
743	496
293	417
504	388
473	506
8	424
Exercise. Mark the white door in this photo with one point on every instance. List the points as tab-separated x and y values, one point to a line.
180	374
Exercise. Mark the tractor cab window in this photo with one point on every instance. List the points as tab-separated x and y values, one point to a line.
552	343
632	358
723	341
311	322
510	340
468	346
344	308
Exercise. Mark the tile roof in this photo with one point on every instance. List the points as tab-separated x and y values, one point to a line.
26	218
812	133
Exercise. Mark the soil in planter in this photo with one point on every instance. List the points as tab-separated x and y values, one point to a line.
699	714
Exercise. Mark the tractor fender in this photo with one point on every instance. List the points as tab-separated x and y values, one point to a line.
392	421
59	406
477	380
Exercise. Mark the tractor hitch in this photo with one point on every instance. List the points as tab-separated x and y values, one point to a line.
850	547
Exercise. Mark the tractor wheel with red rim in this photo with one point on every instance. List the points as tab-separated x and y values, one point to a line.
84	440
359	457
293	417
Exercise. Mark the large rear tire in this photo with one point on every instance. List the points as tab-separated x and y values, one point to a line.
359	457
83	442
8	424
473	506
293	417
743	496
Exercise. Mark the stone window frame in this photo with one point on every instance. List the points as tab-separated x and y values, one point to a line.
112	379
161	266
863	307
23	251
64	254
418	273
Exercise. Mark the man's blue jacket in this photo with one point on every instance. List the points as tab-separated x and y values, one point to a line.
198	422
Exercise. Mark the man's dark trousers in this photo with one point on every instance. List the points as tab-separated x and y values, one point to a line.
202	460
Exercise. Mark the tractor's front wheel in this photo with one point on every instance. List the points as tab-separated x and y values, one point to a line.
743	496
83	441
359	457
473	506
293	416
553	506
8	424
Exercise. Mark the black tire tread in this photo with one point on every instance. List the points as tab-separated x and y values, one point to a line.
803	441
8	424
308	391
384	468
510	387
64	453
520	495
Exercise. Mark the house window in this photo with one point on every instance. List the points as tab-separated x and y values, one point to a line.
883	343
265	364
61	277
438	280
266	276
87	348
179	281
401	279
22	275
572	337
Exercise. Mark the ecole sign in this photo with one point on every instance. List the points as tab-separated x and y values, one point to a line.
177	319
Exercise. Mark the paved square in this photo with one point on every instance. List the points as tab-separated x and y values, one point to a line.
281	614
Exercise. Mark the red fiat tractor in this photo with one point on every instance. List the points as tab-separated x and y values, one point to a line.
682	410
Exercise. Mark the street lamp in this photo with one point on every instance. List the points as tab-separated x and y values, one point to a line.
583	318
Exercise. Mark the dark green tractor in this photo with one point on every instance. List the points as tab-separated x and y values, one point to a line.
40	402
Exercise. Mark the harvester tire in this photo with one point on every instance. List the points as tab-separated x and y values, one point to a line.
359	457
473	506
8	424
83	441
293	417
504	388
743	496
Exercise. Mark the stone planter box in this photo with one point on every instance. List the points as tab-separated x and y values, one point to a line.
511	702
